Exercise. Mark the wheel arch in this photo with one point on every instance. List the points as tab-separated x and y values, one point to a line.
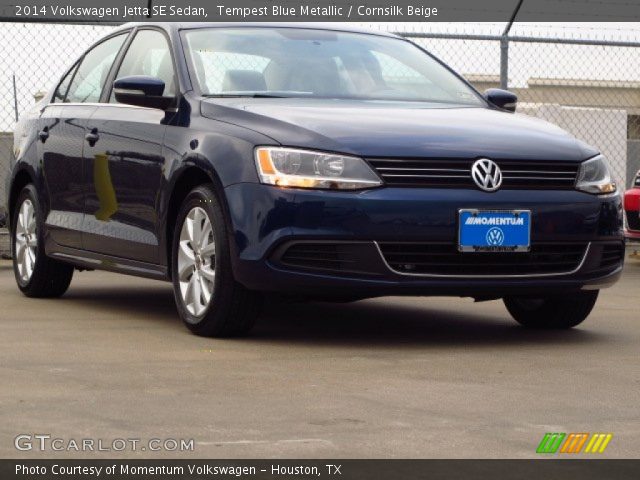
21	179
189	177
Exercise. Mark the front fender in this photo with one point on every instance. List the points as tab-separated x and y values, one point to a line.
222	152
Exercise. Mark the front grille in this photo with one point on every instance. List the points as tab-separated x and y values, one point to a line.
445	259
434	173
612	255
633	219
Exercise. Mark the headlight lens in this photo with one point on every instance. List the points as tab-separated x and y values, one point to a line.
594	176
289	167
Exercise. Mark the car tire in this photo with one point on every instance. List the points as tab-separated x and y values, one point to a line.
37	275
554	312
209	299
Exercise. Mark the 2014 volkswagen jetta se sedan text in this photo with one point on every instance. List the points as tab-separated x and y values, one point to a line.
244	160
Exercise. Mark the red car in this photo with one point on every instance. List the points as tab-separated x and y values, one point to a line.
632	210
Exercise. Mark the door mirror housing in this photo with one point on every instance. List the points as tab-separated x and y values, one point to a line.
142	91
502	99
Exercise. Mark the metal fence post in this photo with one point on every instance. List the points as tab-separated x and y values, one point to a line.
504	48
15	98
504	62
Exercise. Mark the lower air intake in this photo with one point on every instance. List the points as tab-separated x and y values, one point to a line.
445	259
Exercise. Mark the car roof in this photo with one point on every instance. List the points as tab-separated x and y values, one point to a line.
176	26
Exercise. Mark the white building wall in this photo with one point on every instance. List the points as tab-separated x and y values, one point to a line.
605	129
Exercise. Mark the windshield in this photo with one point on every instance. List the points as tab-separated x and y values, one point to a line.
296	62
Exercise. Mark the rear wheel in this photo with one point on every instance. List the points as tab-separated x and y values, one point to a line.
36	274
209	300
553	312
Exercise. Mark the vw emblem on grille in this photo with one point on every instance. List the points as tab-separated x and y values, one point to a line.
495	237
487	175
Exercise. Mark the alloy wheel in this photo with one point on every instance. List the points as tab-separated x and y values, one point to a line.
26	241
196	261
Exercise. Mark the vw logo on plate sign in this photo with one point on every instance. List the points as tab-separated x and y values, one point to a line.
495	237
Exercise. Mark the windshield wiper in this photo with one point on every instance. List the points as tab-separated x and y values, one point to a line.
245	95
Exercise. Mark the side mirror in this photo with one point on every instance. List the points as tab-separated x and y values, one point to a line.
142	91
501	99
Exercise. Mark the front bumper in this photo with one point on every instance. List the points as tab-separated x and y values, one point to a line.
266	220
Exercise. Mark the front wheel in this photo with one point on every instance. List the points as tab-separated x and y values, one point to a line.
553	312
209	300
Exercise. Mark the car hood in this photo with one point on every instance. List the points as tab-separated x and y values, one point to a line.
399	129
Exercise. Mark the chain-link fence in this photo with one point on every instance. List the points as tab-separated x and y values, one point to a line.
34	57
590	88
587	85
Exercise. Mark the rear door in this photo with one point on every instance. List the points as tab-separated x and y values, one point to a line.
61	129
125	164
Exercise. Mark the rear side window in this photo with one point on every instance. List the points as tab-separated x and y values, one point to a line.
61	92
91	75
149	55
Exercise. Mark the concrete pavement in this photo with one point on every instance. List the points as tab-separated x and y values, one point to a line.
385	378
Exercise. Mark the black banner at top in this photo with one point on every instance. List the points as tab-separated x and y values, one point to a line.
319	10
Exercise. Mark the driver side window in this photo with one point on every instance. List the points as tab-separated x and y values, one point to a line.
149	55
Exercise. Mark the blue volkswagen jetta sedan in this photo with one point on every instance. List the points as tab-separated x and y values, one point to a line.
239	159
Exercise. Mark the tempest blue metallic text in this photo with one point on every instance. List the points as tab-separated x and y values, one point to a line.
315	162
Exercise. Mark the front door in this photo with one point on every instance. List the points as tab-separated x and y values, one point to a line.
124	176
125	163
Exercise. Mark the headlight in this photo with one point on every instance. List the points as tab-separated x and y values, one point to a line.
594	177
289	167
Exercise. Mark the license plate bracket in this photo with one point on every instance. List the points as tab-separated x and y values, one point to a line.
494	230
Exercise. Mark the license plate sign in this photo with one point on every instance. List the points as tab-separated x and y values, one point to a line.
494	231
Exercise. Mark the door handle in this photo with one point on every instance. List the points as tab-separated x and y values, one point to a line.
92	137
43	134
